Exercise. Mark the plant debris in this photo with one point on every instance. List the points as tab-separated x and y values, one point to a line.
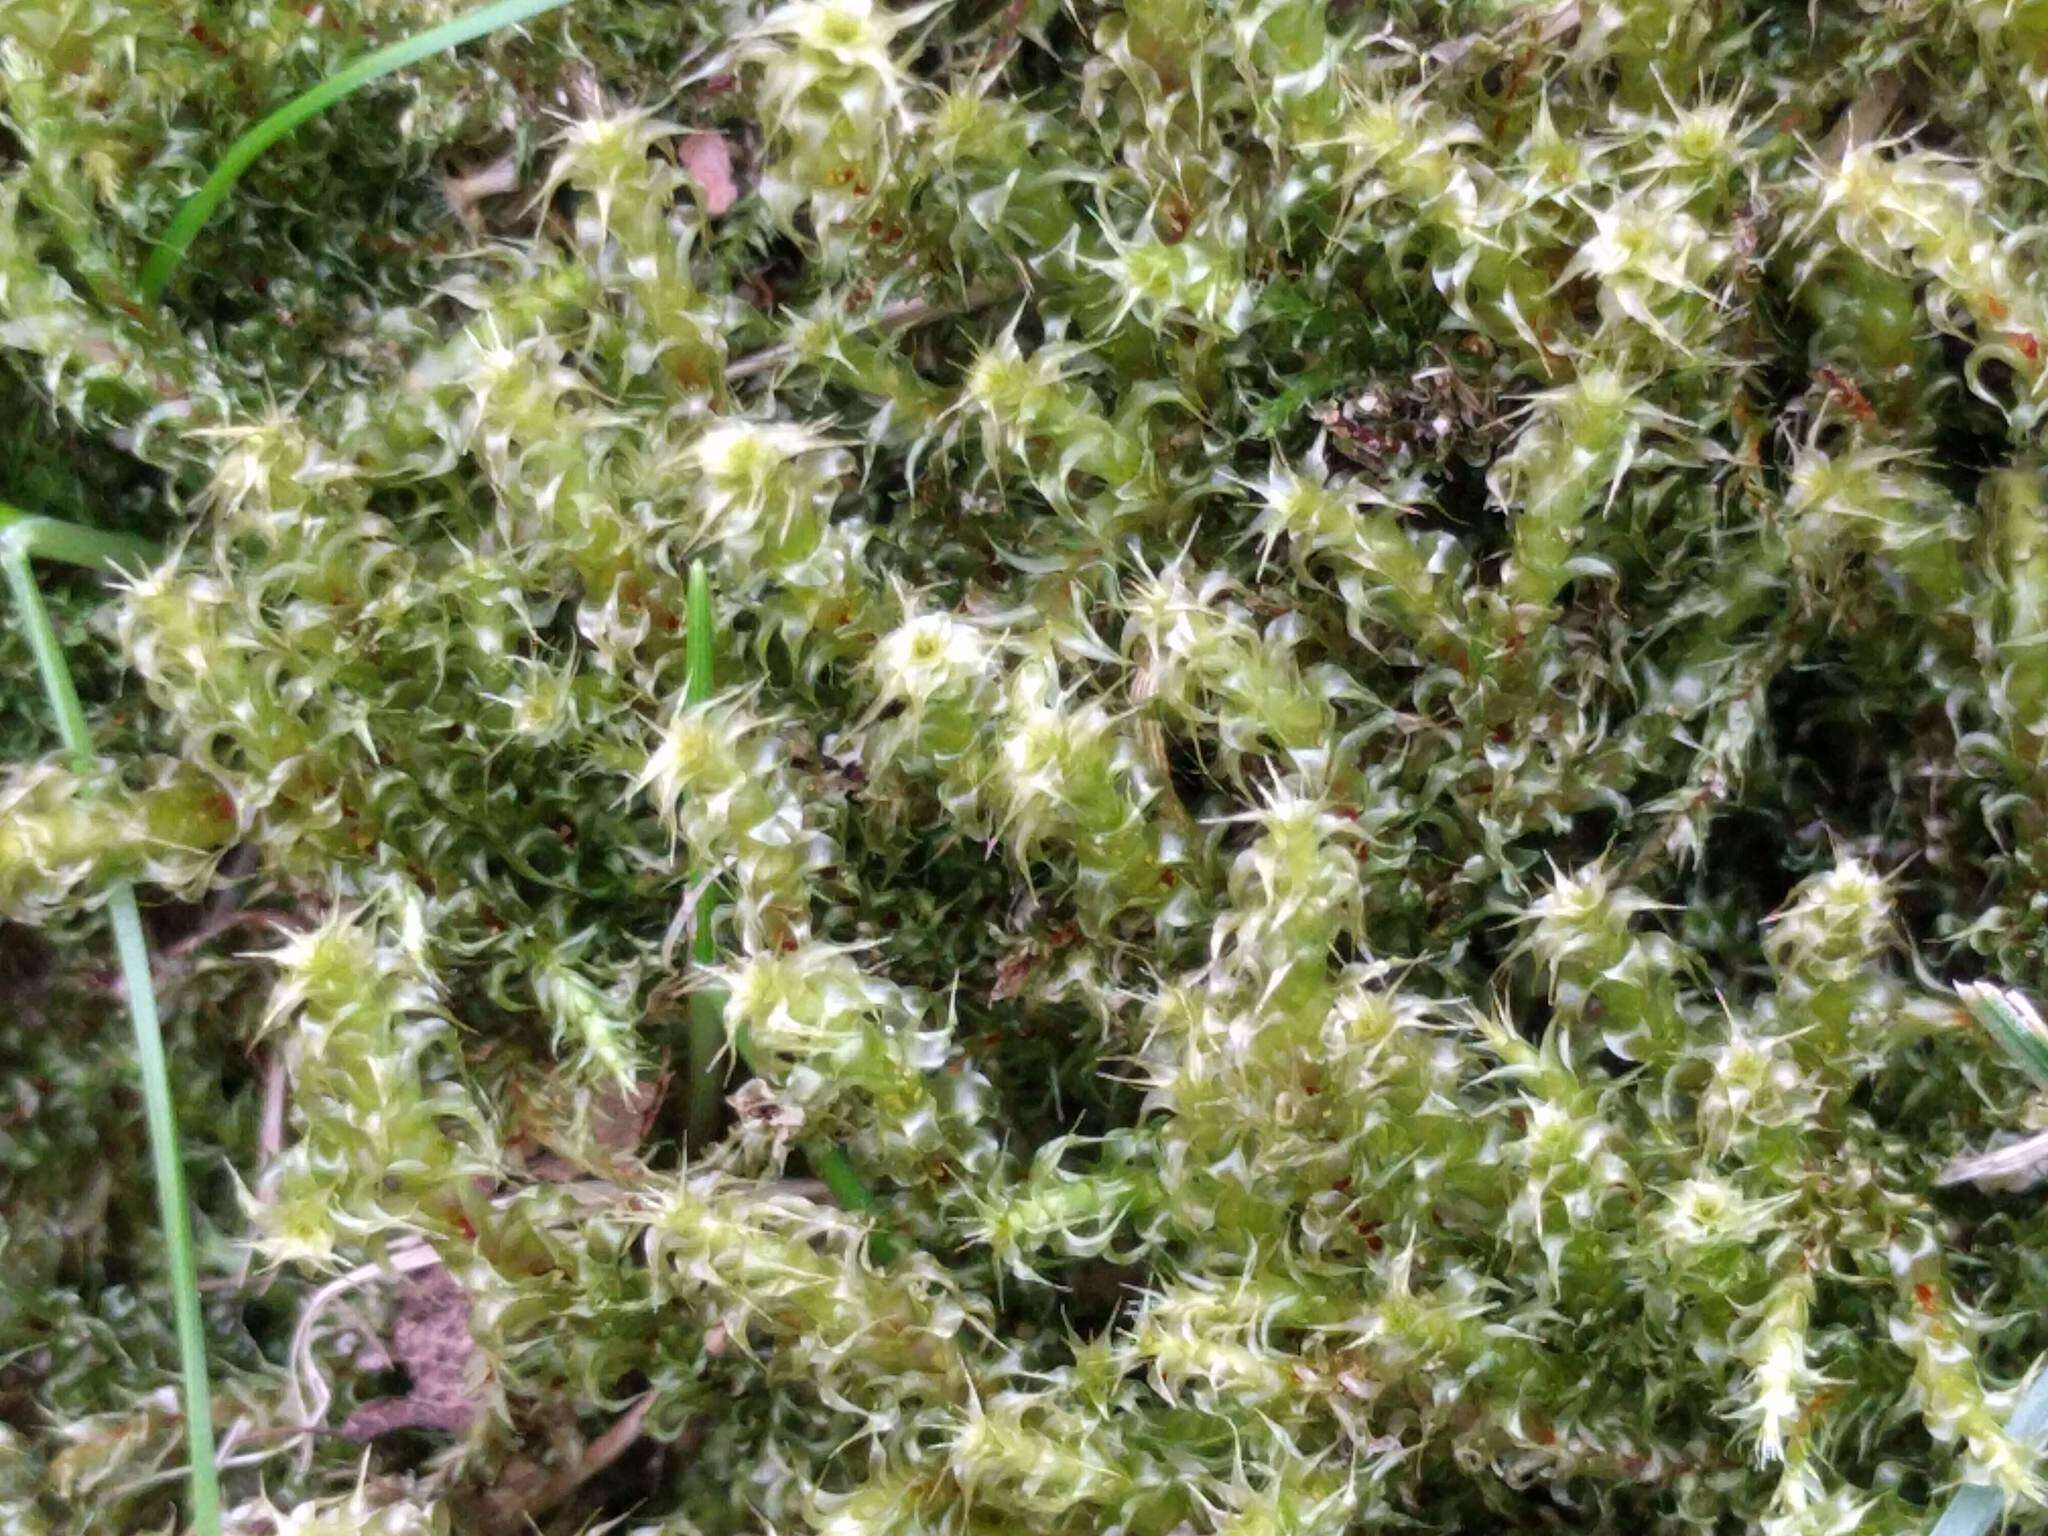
431	1343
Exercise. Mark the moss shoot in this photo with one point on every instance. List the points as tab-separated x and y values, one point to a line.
1349	831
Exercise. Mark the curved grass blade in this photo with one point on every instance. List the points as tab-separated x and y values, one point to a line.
23	536
35	537
245	151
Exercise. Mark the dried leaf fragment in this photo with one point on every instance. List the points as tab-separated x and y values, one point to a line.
432	1342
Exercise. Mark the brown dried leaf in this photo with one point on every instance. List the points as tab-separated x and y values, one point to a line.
622	1117
431	1340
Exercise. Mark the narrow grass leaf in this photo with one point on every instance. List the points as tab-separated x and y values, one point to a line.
21	536
248	149
707	1008
1975	1507
2012	1022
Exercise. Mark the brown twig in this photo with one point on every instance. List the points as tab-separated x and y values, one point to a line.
1007	29
520	1502
215	928
270	1134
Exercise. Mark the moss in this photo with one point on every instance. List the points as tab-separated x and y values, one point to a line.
1375	667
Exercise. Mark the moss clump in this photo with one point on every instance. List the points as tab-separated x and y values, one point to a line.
1376	666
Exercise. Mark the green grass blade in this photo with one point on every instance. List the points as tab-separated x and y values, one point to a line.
16	543
56	676
245	151
836	1169
2010	1020
700	647
707	1008
168	1160
1972	1512
47	538
1975	1507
